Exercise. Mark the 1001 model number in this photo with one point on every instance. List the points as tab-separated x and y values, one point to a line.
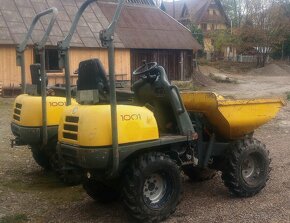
132	117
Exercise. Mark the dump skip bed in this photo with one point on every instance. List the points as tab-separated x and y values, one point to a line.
231	118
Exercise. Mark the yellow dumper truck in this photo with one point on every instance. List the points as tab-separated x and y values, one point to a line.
138	148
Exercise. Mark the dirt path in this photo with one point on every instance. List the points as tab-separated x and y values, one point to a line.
29	194
271	81
255	86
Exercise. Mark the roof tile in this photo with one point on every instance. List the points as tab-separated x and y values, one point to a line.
17	27
27	12
55	3
71	10
7	5
65	26
90	42
62	15
84	31
21	3
39	7
28	21
11	16
2	22
55	39
143	27
139	26
4	34
95	26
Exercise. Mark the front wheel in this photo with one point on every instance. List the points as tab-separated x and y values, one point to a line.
247	167
152	187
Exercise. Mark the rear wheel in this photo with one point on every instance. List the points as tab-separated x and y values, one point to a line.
100	192
40	156
198	174
247	167
152	187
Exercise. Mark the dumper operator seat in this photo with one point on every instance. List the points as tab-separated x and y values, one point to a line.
154	91
92	76
36	76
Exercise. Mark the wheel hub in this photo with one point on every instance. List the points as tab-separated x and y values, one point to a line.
251	169
154	188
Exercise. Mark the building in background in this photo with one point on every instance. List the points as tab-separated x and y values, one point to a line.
144	33
207	15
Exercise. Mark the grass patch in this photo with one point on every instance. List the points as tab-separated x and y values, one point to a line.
14	218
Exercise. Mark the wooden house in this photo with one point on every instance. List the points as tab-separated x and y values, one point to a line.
208	15
144	33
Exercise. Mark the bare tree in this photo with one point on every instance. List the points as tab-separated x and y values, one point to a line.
235	10
265	25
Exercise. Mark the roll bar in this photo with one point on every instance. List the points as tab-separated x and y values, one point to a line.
106	37
20	49
20	61
63	47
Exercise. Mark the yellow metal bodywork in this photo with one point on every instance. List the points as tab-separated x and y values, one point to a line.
27	109
232	119
93	125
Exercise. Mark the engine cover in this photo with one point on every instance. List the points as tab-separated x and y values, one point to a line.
90	125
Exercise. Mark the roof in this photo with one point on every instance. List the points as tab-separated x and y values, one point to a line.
196	9
144	27
16	17
168	8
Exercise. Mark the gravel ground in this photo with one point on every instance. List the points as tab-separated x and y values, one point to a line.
29	194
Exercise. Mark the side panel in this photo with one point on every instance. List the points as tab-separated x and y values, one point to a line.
90	125
27	110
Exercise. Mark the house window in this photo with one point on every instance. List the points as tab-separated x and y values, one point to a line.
212	27
204	26
214	12
51	60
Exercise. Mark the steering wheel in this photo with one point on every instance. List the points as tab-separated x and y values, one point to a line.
145	69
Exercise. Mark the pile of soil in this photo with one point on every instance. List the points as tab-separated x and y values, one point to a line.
201	80
207	70
270	70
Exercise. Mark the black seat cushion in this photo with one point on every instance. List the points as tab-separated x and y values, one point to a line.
92	76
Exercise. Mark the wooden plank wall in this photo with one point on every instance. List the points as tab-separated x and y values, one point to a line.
10	74
122	59
177	63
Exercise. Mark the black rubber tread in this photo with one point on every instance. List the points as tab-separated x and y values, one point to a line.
100	192
132	191
231	174
198	174
40	156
